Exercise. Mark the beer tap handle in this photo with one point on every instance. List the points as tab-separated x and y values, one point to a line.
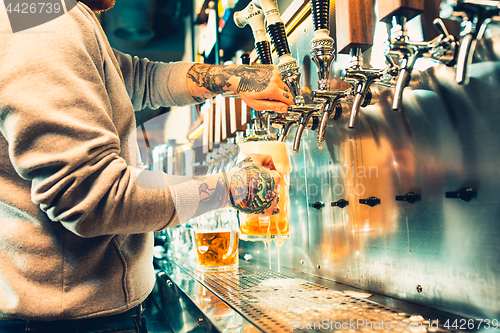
399	10
356	20
322	50
475	16
287	64
254	17
396	13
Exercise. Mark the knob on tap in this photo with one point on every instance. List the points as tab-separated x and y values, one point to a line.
287	64
322	50
371	201
466	194
475	16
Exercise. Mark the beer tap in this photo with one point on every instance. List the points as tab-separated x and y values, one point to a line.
475	16
304	114
361	79
254	17
286	121
356	18
331	105
287	64
323	54
395	14
322	50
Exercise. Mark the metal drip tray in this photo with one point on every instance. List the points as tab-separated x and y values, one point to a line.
278	302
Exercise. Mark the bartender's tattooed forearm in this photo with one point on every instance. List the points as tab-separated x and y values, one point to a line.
211	77
213	80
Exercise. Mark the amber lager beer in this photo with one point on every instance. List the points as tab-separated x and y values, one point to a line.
214	250
217	241
257	227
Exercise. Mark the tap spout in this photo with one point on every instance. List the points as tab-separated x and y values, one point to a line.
475	17
360	79
286	125
331	104
305	112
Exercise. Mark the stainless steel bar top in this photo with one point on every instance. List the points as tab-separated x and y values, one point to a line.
255	298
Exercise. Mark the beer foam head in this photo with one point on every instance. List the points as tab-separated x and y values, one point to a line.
277	150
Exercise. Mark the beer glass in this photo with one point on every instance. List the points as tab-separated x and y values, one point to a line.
217	241
275	227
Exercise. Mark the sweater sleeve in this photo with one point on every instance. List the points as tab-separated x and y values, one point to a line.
65	134
154	84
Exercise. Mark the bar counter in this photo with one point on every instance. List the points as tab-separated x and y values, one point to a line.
256	298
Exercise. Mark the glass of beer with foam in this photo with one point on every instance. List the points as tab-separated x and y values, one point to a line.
275	227
217	241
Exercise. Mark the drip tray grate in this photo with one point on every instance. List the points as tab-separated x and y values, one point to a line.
275	302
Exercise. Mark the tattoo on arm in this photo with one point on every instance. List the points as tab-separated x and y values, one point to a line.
252	189
253	78
213	80
213	194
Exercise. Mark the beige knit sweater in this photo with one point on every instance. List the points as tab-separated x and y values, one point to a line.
76	210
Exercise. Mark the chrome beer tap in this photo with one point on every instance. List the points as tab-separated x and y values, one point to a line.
441	48
285	121
361	79
303	114
323	54
475	16
287	64
331	106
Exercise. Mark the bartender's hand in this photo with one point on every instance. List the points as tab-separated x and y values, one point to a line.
253	185
260	86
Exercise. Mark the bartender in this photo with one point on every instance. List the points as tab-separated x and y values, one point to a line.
77	209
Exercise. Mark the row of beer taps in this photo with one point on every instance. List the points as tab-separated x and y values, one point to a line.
402	53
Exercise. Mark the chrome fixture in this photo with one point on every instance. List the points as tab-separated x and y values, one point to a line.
474	17
361	78
442	48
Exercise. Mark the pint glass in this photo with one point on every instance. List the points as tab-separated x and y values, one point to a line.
217	241
276	227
